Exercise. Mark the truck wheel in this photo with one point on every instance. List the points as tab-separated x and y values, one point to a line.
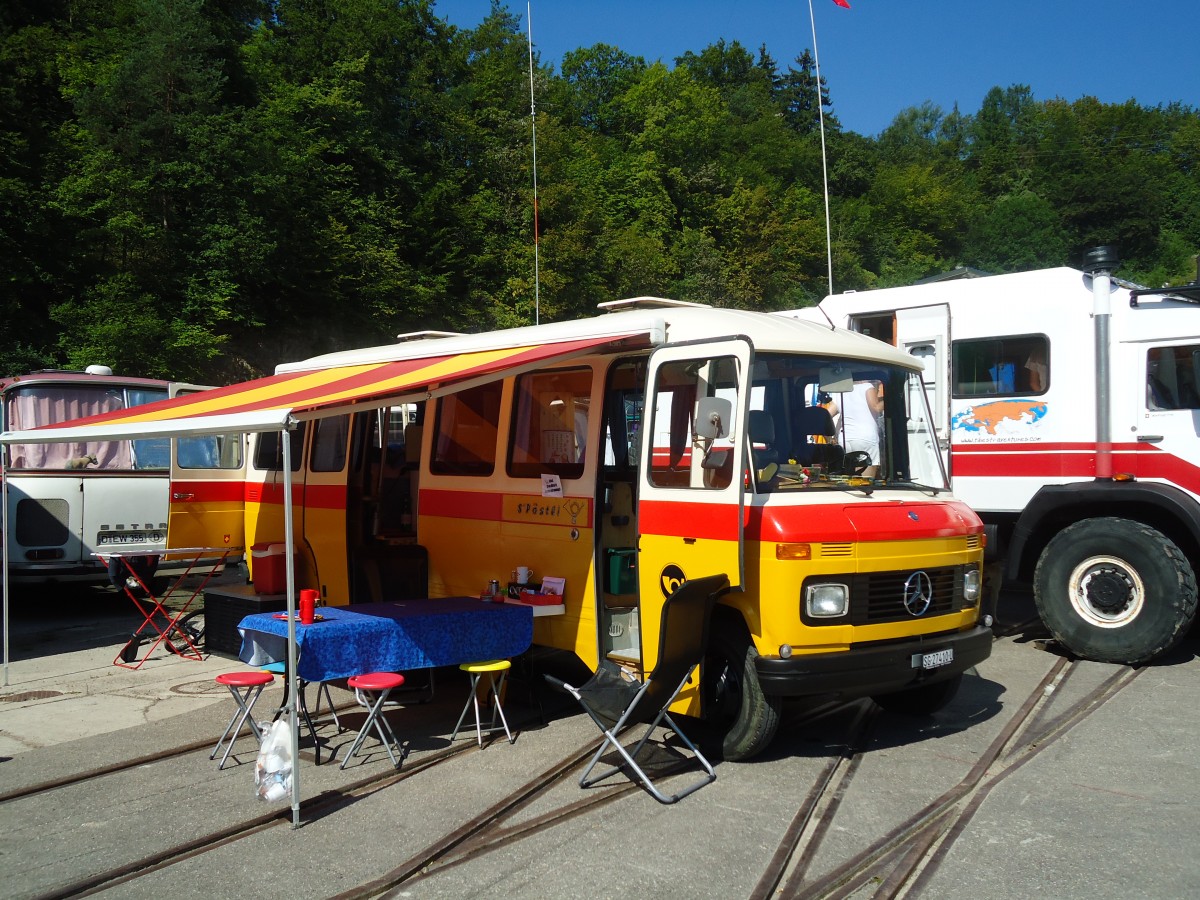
921	701
1114	590
734	703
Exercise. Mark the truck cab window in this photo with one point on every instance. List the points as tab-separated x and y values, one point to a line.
1172	376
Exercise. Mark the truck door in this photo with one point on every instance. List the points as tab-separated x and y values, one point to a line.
692	473
924	332
1169	418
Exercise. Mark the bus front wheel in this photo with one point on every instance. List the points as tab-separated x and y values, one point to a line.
734	704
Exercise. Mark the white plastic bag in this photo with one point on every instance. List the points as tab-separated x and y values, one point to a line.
273	770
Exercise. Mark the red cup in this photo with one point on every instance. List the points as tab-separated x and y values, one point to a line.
308	605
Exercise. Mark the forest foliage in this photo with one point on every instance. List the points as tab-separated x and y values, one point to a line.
201	189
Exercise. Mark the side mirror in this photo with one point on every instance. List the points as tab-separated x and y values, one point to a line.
712	418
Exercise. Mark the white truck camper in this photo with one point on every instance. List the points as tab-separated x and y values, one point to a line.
1066	405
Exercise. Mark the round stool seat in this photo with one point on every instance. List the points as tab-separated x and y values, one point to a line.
245	679
491	665
376	681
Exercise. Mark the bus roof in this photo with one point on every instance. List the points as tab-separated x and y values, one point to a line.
766	331
357	380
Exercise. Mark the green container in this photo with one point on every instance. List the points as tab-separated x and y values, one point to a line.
620	570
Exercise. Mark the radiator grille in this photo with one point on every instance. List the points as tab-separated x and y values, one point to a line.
877	597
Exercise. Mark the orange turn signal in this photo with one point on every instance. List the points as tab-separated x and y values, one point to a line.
793	551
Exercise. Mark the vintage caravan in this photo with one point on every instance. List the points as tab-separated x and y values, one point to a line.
68	501
620	456
1066	406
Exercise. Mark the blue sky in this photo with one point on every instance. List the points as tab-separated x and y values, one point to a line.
882	56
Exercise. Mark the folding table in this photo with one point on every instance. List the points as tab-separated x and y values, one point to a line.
391	636
202	561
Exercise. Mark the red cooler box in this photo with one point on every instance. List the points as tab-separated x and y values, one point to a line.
270	568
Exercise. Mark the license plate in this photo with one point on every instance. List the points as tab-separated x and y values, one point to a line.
124	537
935	660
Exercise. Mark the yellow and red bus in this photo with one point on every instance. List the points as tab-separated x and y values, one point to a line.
621	456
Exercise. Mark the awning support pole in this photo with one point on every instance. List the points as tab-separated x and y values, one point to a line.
4	540
290	567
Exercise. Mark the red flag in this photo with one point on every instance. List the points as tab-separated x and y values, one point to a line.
842	3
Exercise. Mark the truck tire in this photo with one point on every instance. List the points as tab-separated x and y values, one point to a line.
734	704
924	700
1114	590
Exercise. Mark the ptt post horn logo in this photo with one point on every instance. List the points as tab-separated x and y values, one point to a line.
918	593
671	579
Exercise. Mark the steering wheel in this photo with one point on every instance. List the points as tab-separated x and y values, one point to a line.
856	462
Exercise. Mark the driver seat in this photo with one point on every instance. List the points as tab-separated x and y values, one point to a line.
762	439
815	439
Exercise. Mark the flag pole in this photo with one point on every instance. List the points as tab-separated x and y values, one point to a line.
824	168
533	125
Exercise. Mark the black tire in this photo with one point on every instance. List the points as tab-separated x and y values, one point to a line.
193	626
924	700
1113	590
734	704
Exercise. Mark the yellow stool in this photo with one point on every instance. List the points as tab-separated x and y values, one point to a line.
477	670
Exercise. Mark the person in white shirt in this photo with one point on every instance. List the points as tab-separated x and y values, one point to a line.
861	409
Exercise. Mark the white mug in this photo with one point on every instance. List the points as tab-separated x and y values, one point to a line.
522	574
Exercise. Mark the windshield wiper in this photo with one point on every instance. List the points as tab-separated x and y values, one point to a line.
933	491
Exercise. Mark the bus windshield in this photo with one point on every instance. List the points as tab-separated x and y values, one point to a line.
827	423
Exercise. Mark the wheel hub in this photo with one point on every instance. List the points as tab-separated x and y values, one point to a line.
1106	591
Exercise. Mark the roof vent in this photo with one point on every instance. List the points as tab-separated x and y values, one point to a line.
98	370
648	303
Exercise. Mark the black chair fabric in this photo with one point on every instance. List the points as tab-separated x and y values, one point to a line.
816	421
615	700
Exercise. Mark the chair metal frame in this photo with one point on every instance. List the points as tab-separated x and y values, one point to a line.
614	703
496	686
374	706
243	715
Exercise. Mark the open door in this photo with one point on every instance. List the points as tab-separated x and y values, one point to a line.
924	332
693	471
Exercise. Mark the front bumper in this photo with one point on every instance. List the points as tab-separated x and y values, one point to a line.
868	669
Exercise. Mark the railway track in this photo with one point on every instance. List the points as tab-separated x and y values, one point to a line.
900	863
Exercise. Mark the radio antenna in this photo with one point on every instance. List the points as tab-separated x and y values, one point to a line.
821	119
533	126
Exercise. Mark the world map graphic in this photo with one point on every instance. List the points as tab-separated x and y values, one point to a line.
987	418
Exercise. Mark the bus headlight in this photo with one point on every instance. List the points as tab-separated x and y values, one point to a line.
826	601
971	584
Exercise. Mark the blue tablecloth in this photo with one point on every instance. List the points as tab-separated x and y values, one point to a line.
391	636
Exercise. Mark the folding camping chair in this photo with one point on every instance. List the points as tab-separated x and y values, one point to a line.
614	701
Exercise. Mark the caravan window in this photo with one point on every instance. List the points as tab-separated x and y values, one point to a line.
467	427
329	444
268	453
550	423
1001	367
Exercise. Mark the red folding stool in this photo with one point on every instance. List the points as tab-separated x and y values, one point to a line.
252	684
380	684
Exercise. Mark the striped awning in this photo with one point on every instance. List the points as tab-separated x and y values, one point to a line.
268	404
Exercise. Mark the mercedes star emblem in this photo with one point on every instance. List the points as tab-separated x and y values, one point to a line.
918	593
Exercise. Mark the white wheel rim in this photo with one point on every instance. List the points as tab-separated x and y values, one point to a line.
1083	578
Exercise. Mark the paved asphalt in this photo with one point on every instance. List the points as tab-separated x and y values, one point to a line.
1103	802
